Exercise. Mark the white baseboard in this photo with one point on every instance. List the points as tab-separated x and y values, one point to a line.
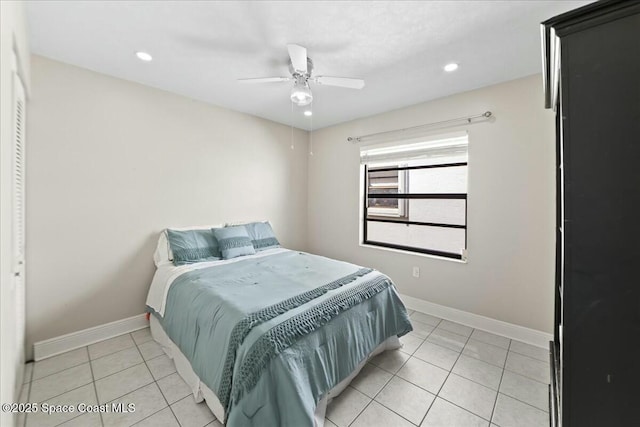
64	343
498	327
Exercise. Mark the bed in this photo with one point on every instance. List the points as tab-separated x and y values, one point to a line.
268	339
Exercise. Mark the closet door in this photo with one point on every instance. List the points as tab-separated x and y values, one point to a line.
18	207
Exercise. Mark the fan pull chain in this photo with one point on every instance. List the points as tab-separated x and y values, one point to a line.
292	146
311	132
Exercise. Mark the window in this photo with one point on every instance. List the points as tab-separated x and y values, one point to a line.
384	181
415	197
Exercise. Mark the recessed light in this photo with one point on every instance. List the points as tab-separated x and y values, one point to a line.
144	56
308	113
451	67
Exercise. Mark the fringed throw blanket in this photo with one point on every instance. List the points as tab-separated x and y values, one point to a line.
261	332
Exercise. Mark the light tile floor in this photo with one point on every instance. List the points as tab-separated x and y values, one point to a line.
446	375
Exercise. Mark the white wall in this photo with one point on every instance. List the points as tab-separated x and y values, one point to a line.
511	210
13	34
111	163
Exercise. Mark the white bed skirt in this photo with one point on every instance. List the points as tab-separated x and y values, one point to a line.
202	392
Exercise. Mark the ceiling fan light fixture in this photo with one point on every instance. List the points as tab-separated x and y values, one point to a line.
308	113
301	94
301	69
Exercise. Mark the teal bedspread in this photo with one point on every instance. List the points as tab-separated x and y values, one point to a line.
270	336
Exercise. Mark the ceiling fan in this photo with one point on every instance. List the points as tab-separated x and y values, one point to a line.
301	67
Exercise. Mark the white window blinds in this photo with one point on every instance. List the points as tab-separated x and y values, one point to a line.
430	151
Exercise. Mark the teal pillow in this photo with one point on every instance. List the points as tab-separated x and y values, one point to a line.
262	236
191	246
234	241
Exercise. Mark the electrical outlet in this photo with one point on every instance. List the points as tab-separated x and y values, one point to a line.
416	271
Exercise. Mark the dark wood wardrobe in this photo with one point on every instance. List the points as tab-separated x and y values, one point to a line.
592	81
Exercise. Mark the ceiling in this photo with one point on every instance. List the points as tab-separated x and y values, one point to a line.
200	48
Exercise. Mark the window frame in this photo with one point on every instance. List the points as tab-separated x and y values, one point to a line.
407	197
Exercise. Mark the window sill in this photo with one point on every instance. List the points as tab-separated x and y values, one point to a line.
400	251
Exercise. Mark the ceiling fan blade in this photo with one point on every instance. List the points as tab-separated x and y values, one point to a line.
298	55
340	81
265	80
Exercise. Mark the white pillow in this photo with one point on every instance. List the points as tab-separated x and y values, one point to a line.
163	252
231	224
